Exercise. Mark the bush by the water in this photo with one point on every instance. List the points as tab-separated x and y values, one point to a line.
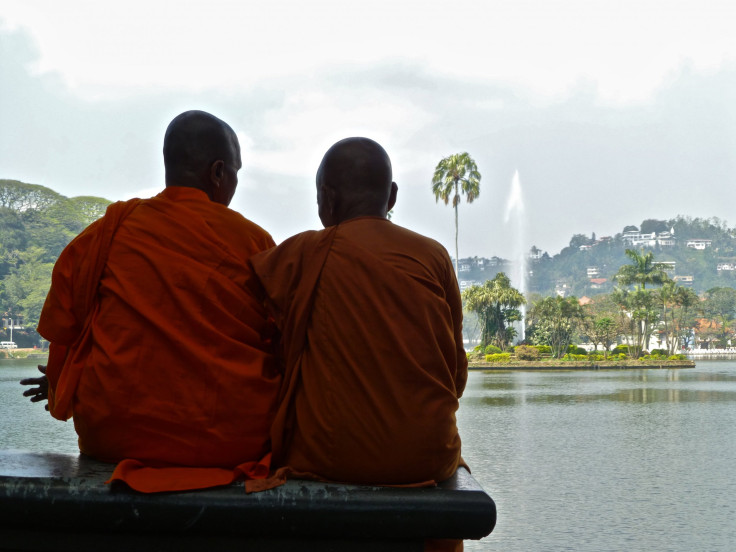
575	350
498	357
570	356
620	349
526	352
654	356
543	348
492	350
677	357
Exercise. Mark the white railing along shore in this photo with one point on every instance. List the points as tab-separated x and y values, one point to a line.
700	353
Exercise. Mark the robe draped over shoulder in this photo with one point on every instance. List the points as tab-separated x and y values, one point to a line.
159	350
371	322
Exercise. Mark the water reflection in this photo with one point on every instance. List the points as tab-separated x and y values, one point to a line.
605	460
501	389
641	395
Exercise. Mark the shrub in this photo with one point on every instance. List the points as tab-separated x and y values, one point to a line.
575	350
658	352
677	357
492	349
543	348
619	349
498	357
571	356
525	352
595	357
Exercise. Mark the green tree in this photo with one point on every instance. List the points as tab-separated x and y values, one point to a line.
453	176
497	305
556	320
677	305
720	306
642	270
24	289
600	323
639	316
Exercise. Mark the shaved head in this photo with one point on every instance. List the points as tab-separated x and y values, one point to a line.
353	180
202	151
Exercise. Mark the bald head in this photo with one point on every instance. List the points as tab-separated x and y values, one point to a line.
202	151
354	180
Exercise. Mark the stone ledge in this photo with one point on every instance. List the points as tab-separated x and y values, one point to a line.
60	502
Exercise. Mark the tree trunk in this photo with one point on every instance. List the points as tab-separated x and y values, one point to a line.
456	201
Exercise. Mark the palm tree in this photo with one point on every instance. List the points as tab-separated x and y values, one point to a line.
497	304
453	176
642	271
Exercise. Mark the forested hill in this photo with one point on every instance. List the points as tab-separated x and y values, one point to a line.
36	223
700	252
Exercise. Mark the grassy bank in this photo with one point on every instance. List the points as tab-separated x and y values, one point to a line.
559	364
23	353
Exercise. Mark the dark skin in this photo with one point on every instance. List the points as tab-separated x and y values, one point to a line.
354	180
200	151
40	393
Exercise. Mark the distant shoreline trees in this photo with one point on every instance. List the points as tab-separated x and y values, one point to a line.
36	223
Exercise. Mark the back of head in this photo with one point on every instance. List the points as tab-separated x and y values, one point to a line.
193	142
353	180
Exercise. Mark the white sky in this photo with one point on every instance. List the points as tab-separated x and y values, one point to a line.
592	101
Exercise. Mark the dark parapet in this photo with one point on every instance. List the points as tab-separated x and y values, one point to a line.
60	502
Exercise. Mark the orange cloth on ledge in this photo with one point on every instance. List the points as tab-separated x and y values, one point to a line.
158	350
371	317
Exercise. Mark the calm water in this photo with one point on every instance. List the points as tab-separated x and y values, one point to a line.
640	460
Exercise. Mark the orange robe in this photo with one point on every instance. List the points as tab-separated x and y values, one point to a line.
371	322
158	350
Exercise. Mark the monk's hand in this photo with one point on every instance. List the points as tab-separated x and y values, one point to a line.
41	392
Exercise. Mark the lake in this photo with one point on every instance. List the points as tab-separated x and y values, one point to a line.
578	460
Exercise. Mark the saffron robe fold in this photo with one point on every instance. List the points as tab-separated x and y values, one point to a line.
371	322
159	351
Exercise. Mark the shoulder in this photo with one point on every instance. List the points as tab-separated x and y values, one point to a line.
250	229
420	243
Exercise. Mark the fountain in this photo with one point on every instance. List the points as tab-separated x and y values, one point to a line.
515	213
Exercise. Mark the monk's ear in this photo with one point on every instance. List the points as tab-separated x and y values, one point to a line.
392	196
217	172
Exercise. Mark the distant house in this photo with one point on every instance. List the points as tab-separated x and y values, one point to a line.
562	288
698	244
726	266
465	284
666	239
597	283
684	280
593	272
666	265
635	238
535	253
463	267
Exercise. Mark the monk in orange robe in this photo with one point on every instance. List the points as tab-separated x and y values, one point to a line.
371	321
158	350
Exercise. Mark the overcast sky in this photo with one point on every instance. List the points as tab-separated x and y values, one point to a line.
611	111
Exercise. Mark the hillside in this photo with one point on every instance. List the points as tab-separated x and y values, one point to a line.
701	252
36	223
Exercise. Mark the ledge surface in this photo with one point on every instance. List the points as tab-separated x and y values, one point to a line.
64	495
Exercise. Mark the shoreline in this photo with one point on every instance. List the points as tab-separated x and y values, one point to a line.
522	365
